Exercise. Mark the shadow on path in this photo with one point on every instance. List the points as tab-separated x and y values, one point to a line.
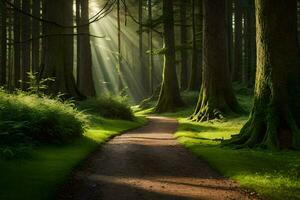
148	164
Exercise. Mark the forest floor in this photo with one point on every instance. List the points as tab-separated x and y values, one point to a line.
43	169
148	163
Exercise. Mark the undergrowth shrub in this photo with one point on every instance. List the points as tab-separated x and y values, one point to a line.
28	118
108	106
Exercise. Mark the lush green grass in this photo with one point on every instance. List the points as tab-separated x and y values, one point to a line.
272	174
108	106
27	118
38	176
275	175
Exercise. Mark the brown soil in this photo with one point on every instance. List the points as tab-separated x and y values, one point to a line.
148	164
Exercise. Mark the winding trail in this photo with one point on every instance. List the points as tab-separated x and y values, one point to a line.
148	164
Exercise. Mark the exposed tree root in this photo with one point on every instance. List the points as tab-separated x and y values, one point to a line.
270	130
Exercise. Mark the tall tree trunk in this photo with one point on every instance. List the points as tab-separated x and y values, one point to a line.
17	47
85	81
26	35
252	42
184	42
229	13
275	118
59	49
150	41
10	49
169	98
238	45
120	74
35	56
193	86
3	59
216	94
142	73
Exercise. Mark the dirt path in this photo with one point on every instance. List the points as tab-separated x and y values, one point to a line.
148	164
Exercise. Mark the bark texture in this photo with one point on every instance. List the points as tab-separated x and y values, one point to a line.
216	95
238	43
59	49
184	42
17	47
169	98
3	58
85	81
26	35
275	119
196	72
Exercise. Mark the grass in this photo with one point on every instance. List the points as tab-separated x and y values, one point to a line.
41	173
28	118
108	106
274	175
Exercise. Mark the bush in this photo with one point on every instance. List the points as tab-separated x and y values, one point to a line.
109	106
26	118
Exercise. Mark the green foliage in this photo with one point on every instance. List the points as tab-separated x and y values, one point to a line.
109	106
27	118
274	175
36	85
39	177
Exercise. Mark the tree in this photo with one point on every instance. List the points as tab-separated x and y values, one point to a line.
195	73
3	58
59	48
35	55
17	47
238	45
216	95
85	81
184	42
25	36
169	98
150	43
275	118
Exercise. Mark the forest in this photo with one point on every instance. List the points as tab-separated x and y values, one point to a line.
149	99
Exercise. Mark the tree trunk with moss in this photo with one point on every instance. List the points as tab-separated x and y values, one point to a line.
169	98
275	118
216	94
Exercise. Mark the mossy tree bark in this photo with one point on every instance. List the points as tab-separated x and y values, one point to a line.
275	118
59	49
169	98
216	94
85	81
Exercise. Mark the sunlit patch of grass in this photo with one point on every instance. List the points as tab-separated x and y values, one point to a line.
40	175
275	175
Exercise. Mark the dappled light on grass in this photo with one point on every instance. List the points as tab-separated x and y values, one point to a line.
272	174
